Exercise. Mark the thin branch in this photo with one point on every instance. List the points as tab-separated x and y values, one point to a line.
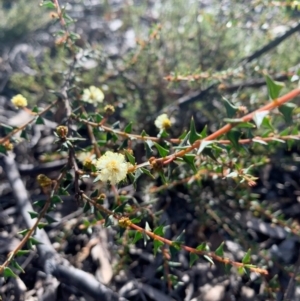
271	45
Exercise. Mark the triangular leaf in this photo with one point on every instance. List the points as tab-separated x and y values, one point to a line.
202	247
189	159
33	214
193	133
147	172
39	120
258	117
247	258
287	111
148	146
128	128
234	137
274	87
162	151
193	258
7	272
17	266
130	157
203	145
230	108
138	235
219	251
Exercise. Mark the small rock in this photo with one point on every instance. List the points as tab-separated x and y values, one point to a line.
247	293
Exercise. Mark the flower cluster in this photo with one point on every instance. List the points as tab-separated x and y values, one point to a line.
19	101
112	167
92	95
162	122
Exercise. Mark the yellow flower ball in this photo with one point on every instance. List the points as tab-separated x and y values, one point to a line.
19	101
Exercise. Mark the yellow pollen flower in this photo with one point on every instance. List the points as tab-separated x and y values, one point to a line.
163	122
112	167
19	101
92	95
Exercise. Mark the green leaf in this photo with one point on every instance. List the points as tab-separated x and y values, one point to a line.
185	140
120	209
138	235
144	134
247	258
48	4
179	240
109	221
22	252
163	152
227	268
241	271
136	220
9	273
219	251
35	109
111	136
137	174
163	177
34	241
24	135
234	137
147	172
267	123
56	199
95	193
174	250
203	133
194	136
86	207
3	149
42	225
23	232
287	111
190	160
274	87
148	146
17	266
39	120
50	219
203	145
33	214
157	243
202	247
62	191
258	117
124	144
248	125
98	118
130	157
209	259
98	216
128	128
193	258
230	108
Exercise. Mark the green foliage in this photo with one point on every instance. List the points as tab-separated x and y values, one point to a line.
18	19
